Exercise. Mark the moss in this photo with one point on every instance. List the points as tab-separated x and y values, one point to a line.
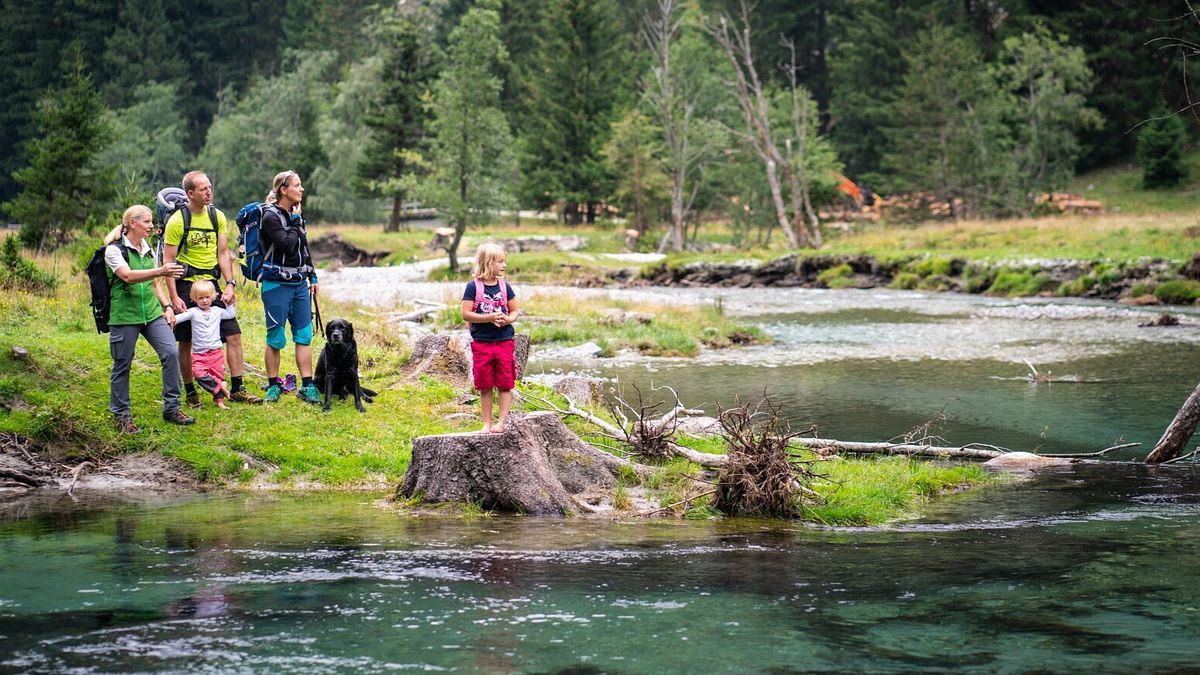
836	275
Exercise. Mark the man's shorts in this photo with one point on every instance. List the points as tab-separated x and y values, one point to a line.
183	331
492	365
289	303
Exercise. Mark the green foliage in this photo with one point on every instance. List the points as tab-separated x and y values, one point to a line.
471	150
397	118
1048	80
17	273
574	78
905	281
1178	291
947	132
149	135
1160	144
270	129
64	186
340	128
634	155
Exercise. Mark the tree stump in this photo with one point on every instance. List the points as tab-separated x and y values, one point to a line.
449	355
537	467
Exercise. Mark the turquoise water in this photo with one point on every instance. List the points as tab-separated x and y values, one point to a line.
872	366
1073	571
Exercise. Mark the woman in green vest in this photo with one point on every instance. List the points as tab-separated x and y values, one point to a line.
140	307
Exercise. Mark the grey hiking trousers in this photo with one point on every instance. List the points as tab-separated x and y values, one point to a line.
122	340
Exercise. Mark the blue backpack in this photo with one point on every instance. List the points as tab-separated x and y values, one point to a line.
250	253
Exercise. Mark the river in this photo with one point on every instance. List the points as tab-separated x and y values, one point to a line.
1095	567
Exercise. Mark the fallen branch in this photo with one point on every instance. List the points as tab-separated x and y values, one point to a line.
1099	453
77	472
19	477
672	505
900	449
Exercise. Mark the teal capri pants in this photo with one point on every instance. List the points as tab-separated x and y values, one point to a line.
290	303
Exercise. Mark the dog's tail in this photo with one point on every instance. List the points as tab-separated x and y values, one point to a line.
368	392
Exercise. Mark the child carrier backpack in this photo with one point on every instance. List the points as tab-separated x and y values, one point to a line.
172	199
101	285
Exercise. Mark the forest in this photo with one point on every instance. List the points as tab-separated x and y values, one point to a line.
664	112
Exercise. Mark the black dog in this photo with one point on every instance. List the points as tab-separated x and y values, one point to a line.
337	367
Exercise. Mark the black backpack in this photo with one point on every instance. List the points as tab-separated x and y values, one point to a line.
98	279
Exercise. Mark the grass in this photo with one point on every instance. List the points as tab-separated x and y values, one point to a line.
1120	188
874	490
562	318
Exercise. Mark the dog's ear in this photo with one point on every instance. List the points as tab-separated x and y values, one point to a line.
349	331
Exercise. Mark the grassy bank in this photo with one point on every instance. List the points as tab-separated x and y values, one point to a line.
57	394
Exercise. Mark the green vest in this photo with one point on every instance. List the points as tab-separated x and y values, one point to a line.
133	304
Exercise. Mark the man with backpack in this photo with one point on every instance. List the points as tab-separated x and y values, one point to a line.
195	237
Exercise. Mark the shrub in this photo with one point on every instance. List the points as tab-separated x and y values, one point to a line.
17	273
1020	282
977	278
906	281
1160	151
1077	287
1178	291
1141	288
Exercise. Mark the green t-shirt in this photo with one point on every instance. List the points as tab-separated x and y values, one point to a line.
201	249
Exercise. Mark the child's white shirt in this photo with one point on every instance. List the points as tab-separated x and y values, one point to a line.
206	326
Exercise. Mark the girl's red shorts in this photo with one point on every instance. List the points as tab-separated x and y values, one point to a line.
492	365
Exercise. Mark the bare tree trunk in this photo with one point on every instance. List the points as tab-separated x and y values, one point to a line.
1178	432
752	99
899	449
393	224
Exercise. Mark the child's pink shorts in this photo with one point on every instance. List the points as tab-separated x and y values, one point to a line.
210	363
492	365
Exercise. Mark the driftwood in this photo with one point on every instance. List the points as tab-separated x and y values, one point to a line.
537	467
1178	432
640	431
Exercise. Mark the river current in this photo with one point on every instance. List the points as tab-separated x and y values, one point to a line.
1094	567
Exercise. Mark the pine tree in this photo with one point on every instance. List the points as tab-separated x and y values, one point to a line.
1160	151
397	122
574	79
947	131
142	48
64	187
471	151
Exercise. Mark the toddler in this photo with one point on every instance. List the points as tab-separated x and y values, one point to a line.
489	305
208	358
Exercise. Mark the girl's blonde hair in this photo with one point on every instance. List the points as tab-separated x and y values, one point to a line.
485	255
131	213
280	182
202	289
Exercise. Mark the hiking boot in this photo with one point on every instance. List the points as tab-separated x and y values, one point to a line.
179	417
289	382
125	425
273	393
243	395
309	394
193	399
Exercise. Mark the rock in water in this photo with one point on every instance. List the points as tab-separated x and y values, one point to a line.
537	467
1024	461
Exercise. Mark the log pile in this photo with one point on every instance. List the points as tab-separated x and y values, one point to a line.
1065	202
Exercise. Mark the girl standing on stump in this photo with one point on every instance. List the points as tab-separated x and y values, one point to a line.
489	306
